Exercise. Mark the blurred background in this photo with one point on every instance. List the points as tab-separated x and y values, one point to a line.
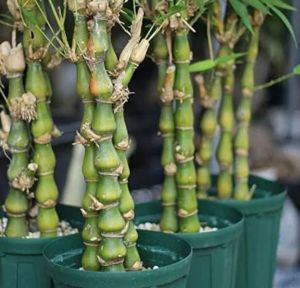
275	132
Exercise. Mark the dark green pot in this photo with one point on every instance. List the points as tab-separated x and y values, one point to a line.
214	253
257	255
171	254
21	260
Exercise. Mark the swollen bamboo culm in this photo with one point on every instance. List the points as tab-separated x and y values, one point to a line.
20	172
242	191
35	46
184	123
90	232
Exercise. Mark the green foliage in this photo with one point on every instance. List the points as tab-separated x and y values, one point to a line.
209	64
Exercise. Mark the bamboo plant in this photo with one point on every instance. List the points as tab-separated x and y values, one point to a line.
102	82
229	29
17	141
42	128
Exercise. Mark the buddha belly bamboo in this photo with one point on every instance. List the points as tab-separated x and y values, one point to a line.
111	224
184	147
208	125
121	140
169	220
242	191
90	232
226	122
46	193
20	173
166	75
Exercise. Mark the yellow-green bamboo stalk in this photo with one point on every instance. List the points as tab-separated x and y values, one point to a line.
242	191
184	123
35	45
111	224
132	261
20	173
90	232
226	122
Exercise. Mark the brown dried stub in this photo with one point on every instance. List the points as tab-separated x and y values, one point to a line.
97	7
12	58
258	18
56	132
54	61
167	93
139	52
76	5
13	9
24	108
136	28
23	181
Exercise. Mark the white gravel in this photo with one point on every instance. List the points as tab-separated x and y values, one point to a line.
63	229
155	227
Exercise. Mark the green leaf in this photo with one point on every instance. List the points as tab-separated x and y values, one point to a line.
242	11
297	70
209	64
203	65
286	22
257	4
282	5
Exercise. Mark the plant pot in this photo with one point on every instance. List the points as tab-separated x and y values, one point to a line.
21	260
171	254
215	253
257	255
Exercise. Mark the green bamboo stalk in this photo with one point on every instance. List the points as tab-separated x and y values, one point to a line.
35	47
20	173
111	224
168	221
90	232
226	122
166	74
242	191
132	261
184	123
208	127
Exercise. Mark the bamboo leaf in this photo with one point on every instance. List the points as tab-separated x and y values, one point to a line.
282	5
286	22
241	10
228	58
257	4
297	70
209	64
203	65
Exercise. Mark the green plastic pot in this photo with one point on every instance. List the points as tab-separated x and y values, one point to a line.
21	260
215	253
257	255
171	254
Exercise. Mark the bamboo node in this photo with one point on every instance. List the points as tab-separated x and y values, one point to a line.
180	158
138	265
47	204
110	263
43	139
188	187
96	204
169	204
10	215
129	215
91	244
185	214
170	169
247	92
